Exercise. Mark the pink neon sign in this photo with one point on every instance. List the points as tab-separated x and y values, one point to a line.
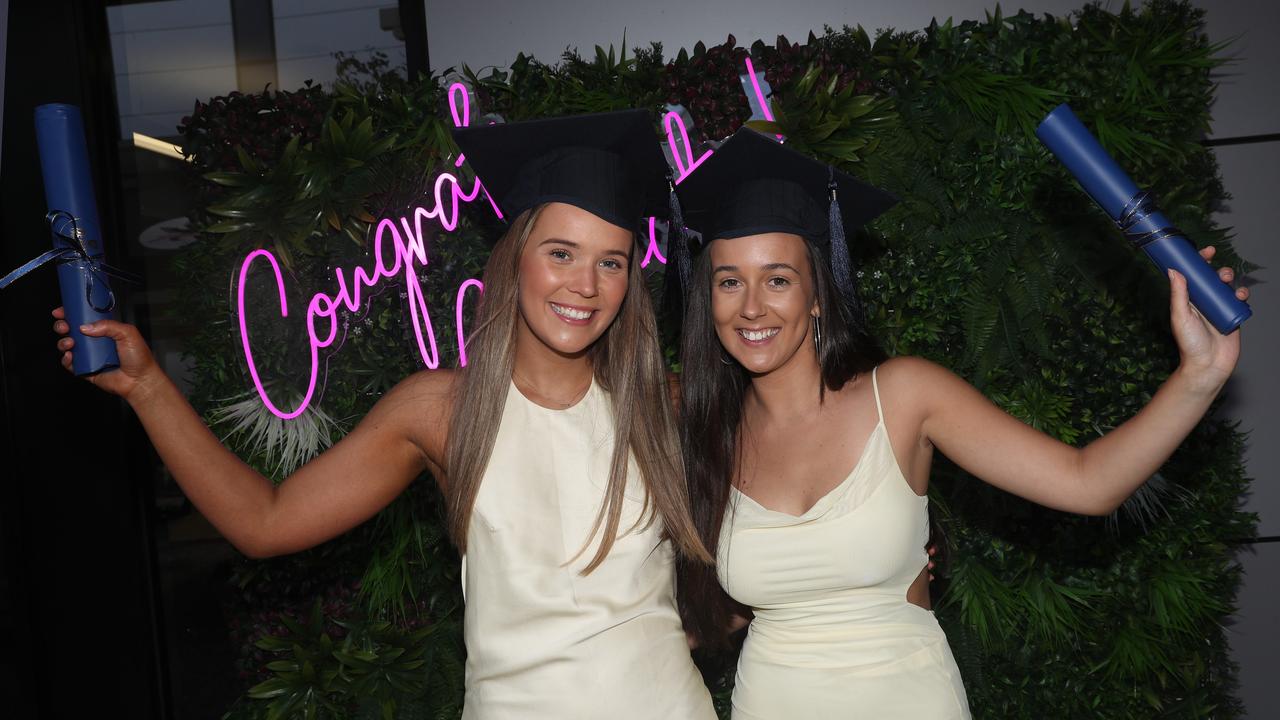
409	254
755	85
687	164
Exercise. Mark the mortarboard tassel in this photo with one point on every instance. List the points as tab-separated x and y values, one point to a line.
841	264
677	243
679	263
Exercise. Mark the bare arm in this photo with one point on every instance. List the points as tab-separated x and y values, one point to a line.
1094	480
400	437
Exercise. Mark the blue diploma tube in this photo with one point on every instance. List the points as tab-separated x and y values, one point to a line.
86	295
1136	215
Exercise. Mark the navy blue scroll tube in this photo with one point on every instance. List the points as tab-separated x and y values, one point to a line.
86	295
1136	214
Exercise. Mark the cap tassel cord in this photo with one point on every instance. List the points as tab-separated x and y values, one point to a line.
841	264
679	263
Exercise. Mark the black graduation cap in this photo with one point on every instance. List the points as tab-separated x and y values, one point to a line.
608	164
754	184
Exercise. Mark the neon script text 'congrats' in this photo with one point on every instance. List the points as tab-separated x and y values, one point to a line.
408	254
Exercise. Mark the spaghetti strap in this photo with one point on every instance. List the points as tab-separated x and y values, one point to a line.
875	388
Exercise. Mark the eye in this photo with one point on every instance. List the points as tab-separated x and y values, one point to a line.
729	283
560	254
612	264
777	281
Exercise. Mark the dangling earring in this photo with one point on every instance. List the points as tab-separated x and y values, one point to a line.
817	335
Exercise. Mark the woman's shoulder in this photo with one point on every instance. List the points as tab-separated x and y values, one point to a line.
422	405
907	368
429	392
914	381
421	401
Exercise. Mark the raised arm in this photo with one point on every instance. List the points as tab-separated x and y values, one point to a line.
1094	480
400	437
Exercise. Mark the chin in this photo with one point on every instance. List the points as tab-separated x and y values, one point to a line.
762	360
759	366
571	340
756	363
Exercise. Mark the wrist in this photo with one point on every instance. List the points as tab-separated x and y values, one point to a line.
146	387
1204	381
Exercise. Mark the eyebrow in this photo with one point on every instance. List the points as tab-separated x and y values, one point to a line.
770	266
576	246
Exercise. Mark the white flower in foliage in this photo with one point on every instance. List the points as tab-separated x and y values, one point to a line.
249	428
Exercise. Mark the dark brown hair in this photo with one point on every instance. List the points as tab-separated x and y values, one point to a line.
712	393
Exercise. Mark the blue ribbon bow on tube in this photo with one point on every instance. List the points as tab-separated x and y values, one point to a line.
77	239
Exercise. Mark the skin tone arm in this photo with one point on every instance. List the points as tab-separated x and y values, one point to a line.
401	436
405	432
1093	480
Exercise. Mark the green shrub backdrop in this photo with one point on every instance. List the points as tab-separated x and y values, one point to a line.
994	264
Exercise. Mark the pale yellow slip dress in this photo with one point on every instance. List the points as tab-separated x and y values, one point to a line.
543	640
833	634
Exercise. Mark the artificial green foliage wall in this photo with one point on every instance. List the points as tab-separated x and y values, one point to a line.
994	264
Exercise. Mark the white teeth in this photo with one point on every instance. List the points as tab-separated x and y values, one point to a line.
570	312
758	335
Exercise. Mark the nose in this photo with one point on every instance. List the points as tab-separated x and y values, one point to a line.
584	280
752	308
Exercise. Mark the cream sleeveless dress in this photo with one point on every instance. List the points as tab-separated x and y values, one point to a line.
833	634
543	640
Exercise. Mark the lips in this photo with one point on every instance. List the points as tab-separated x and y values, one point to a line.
571	314
757	336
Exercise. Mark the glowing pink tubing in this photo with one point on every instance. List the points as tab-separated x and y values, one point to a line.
410	254
755	85
457	90
652	251
462	342
687	164
465	120
244	337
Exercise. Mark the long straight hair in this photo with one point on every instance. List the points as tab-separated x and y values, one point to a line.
712	393
626	361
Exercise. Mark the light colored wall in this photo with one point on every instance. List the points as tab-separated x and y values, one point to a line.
1248	104
165	56
492	33
168	54
308	32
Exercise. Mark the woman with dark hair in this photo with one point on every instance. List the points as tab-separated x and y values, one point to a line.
555	447
808	453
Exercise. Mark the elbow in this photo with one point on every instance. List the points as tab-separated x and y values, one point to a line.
255	536
255	548
1110	506
1095	496
1100	503
1100	508
257	540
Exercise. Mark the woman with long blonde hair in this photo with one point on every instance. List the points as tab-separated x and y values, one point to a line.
555	448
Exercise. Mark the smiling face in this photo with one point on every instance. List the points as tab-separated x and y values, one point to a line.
763	300
573	278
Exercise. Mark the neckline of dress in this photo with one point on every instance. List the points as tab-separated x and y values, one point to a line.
879	429
580	403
